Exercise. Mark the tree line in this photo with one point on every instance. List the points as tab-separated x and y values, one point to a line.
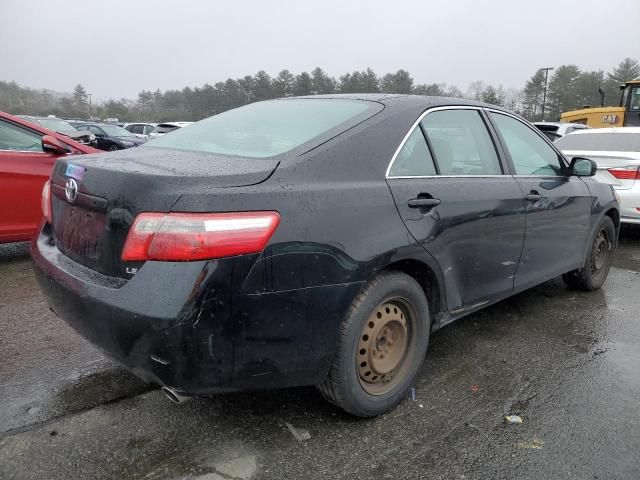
568	88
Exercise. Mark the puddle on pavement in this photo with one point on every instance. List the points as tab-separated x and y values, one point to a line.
85	391
97	388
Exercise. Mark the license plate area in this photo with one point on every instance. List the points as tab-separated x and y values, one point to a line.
79	232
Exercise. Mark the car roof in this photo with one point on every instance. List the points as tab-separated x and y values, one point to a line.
406	101
46	118
560	124
592	131
173	124
392	98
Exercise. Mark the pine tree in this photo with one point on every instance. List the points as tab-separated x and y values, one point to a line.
628	69
321	83
303	85
561	93
262	86
493	96
284	84
399	82
79	96
532	96
370	82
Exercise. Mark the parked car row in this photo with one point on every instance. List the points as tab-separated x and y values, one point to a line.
111	137
404	213
28	152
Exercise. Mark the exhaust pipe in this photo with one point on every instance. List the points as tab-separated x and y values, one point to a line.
174	396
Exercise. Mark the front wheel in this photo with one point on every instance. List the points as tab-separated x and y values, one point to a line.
381	346
598	261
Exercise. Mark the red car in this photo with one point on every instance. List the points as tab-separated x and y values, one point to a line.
27	155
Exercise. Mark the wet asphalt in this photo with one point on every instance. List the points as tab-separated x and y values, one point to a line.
566	362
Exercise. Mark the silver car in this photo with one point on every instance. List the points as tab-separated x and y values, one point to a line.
617	153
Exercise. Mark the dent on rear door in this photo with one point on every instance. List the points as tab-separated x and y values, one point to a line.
475	234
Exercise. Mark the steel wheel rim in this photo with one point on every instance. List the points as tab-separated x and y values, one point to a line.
599	252
384	346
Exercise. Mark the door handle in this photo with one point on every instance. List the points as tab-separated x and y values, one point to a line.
423	202
533	197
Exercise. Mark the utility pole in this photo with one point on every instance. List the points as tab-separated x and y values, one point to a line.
544	95
90	109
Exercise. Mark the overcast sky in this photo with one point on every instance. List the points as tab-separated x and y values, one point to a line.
116	48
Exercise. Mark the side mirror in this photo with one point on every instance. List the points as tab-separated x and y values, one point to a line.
583	167
53	145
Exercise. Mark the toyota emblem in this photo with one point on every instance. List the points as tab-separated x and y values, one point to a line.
71	190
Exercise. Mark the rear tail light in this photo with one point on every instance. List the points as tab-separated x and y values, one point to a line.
626	173
46	201
184	237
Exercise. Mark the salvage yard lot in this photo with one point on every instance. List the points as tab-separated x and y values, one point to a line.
565	361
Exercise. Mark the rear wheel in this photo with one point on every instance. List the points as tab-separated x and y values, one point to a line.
382	344
598	261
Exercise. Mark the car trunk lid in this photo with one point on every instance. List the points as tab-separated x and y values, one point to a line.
615	168
90	224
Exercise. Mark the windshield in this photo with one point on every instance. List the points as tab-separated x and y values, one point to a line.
601	142
115	131
265	129
57	125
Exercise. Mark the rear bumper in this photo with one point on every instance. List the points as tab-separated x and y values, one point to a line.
191	327
629	202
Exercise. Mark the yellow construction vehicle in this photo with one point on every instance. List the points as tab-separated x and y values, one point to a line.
626	115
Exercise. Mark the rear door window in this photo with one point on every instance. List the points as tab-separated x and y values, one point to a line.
414	158
461	143
530	154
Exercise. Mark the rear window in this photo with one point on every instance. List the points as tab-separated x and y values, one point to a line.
57	125
270	128
165	128
601	142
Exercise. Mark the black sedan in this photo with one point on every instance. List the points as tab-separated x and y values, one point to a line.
111	137
314	241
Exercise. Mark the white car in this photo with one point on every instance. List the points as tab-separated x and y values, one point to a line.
617	153
167	127
140	130
555	130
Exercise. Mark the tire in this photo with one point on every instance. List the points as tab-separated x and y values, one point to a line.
369	375
598	260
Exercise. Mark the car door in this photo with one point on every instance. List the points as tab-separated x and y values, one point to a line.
24	168
558	204
101	137
459	201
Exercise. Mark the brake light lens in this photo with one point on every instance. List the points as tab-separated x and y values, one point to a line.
183	237
46	201
626	173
